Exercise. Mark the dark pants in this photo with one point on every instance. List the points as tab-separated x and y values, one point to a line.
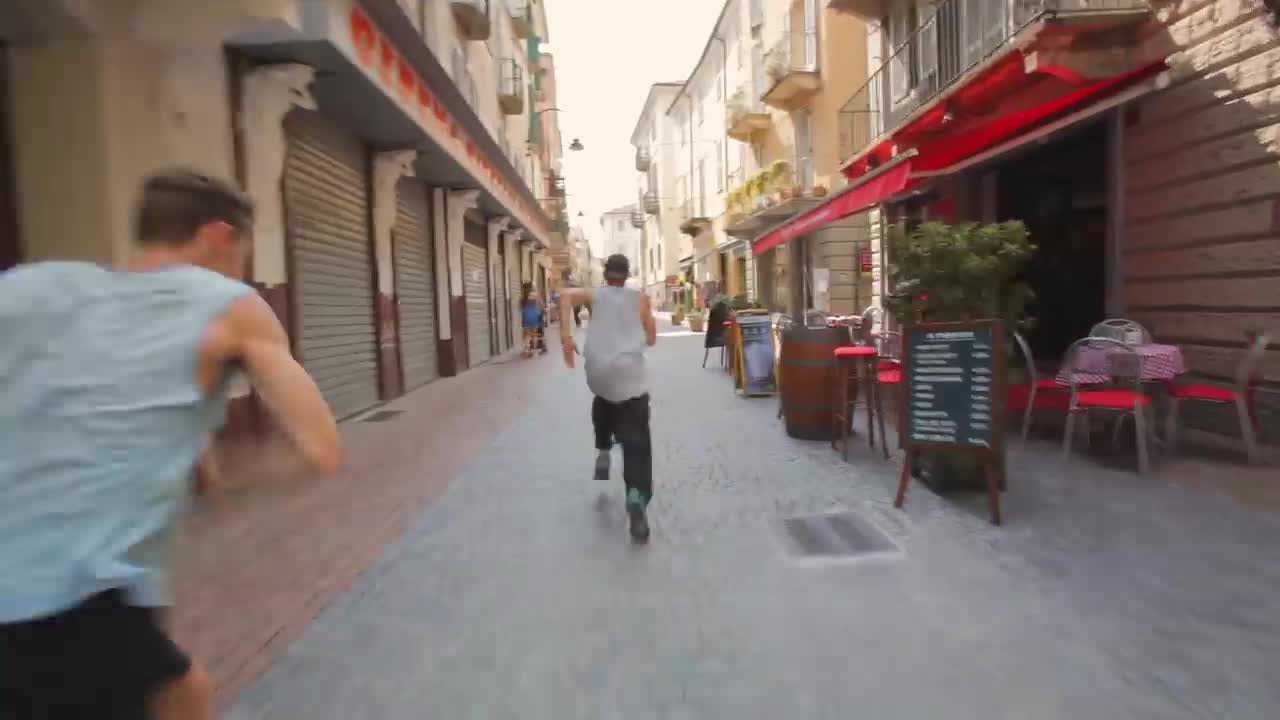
577	320
100	660
627	421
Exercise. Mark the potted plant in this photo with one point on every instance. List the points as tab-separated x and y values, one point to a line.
779	176
943	272
695	320
819	190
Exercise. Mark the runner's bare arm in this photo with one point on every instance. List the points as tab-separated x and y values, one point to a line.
646	319
256	339
569	299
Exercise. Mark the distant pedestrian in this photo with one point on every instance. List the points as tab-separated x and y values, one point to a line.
531	317
622	327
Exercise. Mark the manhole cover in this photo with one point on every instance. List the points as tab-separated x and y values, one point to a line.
835	535
381	416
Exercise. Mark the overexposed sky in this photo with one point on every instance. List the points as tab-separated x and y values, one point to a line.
608	53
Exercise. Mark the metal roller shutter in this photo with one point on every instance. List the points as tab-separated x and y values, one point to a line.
327	200
476	285
415	285
500	302
513	283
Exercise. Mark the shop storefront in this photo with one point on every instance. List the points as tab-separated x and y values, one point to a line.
326	198
414	253
475	277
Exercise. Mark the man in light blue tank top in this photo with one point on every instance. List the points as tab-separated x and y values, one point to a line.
111	384
621	328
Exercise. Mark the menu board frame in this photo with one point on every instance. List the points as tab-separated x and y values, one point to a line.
993	457
743	383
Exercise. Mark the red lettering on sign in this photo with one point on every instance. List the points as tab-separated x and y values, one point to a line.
408	81
387	64
363	36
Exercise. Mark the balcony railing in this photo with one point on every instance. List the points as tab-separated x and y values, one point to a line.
643	159
745	116
959	36
651	203
511	88
521	21
792	67
637	219
557	186
472	17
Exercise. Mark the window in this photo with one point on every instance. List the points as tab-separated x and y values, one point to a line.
622	225
739	51
701	98
719	166
720	85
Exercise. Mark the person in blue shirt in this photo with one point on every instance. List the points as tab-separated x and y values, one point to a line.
531	318
112	381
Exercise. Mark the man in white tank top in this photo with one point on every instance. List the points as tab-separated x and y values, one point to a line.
621	328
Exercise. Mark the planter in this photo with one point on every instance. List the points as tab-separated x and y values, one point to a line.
695	322
819	190
946	473
677	317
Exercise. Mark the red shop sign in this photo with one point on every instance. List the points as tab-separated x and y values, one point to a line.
864	257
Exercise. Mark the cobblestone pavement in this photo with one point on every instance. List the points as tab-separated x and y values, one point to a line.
518	595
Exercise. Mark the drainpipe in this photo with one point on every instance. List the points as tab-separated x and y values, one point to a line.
724	95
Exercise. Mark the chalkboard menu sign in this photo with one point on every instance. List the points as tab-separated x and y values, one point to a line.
755	353
949	397
953	396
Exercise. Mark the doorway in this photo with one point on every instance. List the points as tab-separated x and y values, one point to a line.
1060	192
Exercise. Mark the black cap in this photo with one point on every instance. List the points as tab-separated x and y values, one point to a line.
617	266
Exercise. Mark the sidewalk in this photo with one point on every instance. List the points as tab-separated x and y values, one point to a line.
260	558
516	594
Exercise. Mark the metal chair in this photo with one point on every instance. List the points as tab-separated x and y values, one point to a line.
1036	384
1240	395
1130	332
1124	396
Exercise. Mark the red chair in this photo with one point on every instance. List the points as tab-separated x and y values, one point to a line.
1240	395
1124	367
1039	392
848	373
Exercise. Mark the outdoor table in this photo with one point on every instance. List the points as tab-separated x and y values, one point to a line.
1160	363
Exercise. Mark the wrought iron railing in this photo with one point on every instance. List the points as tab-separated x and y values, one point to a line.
957	37
650	202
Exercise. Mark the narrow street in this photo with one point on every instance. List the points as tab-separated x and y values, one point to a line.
517	594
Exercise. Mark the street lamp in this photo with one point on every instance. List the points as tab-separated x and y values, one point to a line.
576	145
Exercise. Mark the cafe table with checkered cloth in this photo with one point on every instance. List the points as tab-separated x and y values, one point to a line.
1160	363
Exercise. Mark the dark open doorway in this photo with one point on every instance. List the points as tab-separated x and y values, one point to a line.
1060	191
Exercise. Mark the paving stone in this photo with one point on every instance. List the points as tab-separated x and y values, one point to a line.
1105	595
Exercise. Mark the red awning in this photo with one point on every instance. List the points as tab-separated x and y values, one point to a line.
1002	102
864	193
952	148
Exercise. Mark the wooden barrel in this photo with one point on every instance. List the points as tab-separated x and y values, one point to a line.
808	378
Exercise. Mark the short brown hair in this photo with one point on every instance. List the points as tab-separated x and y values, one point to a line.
177	203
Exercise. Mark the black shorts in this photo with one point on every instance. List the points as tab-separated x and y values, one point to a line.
102	659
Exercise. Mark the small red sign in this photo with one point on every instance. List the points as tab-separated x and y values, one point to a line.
864	258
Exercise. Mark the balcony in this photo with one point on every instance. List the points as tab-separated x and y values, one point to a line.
695	220
521	20
745	117
472	17
511	87
955	42
650	203
792	67
637	219
557	185
643	159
